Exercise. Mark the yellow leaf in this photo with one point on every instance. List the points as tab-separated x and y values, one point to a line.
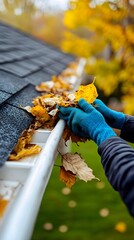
40	113
23	141
3	205
31	150
88	92
121	227
67	177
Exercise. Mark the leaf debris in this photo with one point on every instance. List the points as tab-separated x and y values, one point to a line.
45	112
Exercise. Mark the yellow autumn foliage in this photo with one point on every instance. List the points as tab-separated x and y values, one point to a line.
71	43
104	35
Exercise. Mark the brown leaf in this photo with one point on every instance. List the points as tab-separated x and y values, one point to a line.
77	165
67	177
69	135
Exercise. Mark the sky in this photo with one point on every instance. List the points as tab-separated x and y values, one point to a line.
43	5
52	5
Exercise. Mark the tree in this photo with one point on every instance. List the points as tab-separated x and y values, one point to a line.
19	13
35	18
104	35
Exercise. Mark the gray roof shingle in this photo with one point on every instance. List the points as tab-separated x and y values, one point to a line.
24	63
12	123
10	83
4	96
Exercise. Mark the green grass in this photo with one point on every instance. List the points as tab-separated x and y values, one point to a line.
83	221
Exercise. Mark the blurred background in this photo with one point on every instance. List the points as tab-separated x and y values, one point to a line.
102	32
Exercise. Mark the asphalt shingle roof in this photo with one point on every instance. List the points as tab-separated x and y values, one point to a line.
24	63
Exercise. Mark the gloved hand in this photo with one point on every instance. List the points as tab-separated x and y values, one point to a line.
113	118
86	122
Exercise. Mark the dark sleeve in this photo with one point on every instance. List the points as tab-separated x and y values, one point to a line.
118	161
127	132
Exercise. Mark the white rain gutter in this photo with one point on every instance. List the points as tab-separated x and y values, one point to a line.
18	222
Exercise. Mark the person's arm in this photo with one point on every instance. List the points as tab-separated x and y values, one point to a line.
127	132
118	161
117	120
117	156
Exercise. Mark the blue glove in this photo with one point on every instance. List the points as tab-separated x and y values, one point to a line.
113	118
86	122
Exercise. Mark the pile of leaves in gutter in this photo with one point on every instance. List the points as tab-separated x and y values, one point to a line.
58	91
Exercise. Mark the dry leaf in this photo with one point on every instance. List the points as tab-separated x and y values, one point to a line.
75	164
50	124
40	113
40	99
53	112
121	227
45	86
3	205
23	141
70	70
30	150
88	92
67	177
69	135
71	96
23	147
57	84
51	102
